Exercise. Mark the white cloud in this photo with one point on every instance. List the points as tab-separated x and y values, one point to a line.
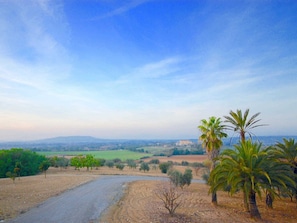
128	5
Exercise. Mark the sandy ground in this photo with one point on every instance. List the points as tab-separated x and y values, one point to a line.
140	204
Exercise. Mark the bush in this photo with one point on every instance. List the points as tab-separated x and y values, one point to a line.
170	196
131	163
185	163
120	166
187	177
179	179
12	176
155	161
144	166
109	163
117	160
164	167
101	161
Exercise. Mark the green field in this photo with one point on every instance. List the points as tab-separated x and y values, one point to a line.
108	155
156	149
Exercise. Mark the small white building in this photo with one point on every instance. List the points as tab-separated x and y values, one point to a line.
184	143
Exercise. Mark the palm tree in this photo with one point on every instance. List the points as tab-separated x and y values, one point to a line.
211	137
250	169
241	124
287	152
281	178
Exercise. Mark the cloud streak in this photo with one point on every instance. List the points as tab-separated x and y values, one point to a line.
122	9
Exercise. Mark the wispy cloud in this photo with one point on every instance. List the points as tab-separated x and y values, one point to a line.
158	69
34	57
122	9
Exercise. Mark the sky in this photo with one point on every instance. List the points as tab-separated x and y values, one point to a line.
144	69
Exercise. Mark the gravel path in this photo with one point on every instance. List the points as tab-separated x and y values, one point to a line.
82	204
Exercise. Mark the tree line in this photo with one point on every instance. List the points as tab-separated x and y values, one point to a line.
19	162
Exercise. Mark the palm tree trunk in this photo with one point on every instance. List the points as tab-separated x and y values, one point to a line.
214	199
245	201
269	200
254	212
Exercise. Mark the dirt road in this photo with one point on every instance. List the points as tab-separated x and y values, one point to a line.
83	204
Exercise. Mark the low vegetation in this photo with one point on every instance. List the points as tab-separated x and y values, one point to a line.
180	179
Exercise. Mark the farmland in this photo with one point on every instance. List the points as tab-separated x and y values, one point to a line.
108	155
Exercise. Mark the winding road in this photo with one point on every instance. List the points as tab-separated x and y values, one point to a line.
82	204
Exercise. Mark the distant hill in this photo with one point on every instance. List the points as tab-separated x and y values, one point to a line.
71	140
89	142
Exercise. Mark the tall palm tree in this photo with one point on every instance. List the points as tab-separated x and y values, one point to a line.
246	169
241	124
211	137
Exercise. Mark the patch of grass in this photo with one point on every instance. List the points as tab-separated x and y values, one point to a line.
108	154
156	149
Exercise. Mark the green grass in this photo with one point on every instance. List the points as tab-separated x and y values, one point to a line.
156	149
108	155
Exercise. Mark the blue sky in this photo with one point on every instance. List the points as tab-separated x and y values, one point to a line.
144	69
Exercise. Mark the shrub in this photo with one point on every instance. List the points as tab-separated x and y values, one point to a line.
109	163
117	160
185	163
11	175
155	161
164	167
169	195
120	166
101	161
131	163
179	179
144	166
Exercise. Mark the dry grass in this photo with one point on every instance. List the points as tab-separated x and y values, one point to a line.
140	203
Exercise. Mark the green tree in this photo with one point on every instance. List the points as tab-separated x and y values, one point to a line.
250	169
287	152
211	137
77	162
44	167
179	179
164	167
144	166
131	163
241	123
89	161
